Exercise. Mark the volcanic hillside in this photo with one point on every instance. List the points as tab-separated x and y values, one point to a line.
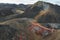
43	12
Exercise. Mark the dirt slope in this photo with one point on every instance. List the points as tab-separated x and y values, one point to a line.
19	24
54	36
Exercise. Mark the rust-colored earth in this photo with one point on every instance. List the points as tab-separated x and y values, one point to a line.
16	24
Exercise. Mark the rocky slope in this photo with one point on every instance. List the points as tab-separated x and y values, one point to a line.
21	25
17	26
43	12
13	22
10	11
